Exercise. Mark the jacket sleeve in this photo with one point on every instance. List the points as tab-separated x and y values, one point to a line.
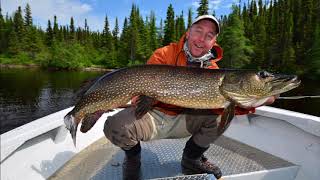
158	57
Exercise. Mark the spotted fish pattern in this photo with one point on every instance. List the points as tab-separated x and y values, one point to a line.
187	87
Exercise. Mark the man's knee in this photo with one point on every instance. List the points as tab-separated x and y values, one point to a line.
119	129
203	129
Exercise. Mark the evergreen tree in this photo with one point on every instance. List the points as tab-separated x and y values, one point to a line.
14	43
281	34
124	54
28	17
55	29
17	33
180	27
189	18
169	35
160	34
3	38
153	32
308	26
258	38
18	24
143	50
115	35
313	56
72	34
237	45
107	45
49	34
134	42
287	61
86	30
203	7
31	39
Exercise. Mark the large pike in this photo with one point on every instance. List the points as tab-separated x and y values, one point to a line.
182	86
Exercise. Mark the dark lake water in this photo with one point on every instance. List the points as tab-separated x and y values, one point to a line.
28	94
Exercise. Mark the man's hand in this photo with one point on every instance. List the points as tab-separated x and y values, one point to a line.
270	100
247	110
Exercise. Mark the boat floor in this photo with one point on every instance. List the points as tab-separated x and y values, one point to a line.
161	158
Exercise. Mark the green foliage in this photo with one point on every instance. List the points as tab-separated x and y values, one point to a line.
233	38
189	17
313	56
68	56
280	36
169	30
180	27
28	17
203	7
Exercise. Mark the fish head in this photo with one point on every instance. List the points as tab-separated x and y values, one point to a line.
251	89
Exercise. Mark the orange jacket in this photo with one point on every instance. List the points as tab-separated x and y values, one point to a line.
173	54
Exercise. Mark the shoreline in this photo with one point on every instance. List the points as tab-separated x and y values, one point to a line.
35	66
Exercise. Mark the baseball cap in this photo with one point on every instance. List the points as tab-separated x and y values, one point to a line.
209	17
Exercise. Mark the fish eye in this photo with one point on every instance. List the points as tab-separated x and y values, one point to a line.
264	74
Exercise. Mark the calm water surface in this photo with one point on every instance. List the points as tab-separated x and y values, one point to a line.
28	94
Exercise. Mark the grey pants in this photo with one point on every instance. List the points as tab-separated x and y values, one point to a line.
123	130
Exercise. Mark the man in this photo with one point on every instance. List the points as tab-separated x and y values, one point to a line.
198	48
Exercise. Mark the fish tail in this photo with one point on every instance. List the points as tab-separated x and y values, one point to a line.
71	125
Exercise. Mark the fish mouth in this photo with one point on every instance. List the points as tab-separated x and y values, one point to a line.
295	82
285	83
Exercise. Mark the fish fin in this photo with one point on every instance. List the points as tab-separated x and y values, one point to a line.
143	105
90	120
226	118
71	125
125	106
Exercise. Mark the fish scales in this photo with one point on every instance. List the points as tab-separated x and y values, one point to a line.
182	86
172	85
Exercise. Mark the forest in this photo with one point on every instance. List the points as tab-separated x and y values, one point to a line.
276	35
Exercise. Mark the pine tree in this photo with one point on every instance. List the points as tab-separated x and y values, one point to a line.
49	34
169	35
153	32
143	50
135	35
180	27
3	38
146	41
86	31
17	34
18	24
203	7
115	35
189	18
258	38
14	43
124	56
308	25
72	34
313	56
233	39
28	17
55	29
107	45
160	34
288	54
32	43
106	34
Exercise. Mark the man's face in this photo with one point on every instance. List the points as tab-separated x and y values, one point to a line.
201	37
